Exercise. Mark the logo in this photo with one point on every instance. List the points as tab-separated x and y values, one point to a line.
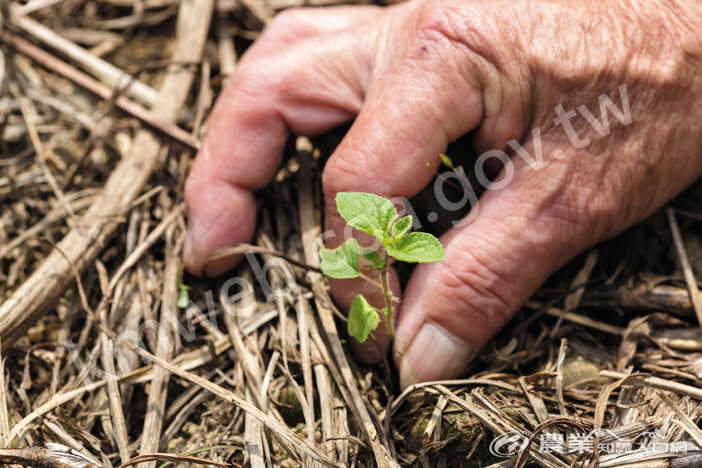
508	445
608	442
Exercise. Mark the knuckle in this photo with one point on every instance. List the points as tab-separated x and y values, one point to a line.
438	24
461	37
469	35
450	24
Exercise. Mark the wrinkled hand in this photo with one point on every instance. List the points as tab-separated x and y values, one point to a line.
421	74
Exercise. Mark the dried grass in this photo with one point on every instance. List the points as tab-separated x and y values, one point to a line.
257	373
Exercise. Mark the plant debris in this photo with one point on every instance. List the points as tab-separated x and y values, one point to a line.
112	357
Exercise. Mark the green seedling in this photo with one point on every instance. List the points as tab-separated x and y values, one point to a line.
183	291
378	217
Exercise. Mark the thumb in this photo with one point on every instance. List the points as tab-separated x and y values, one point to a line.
522	233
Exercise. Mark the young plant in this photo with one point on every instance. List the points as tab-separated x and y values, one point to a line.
183	290
378	217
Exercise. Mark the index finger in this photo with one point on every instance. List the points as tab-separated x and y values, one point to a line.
298	89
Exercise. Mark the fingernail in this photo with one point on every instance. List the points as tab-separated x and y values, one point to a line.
191	260
434	354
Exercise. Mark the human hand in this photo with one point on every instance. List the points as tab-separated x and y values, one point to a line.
419	75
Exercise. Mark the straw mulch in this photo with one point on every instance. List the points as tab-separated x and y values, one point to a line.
113	357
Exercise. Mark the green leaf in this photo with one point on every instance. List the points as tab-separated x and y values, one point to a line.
183	290
342	262
401	226
366	212
183	296
417	247
371	255
363	319
374	257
